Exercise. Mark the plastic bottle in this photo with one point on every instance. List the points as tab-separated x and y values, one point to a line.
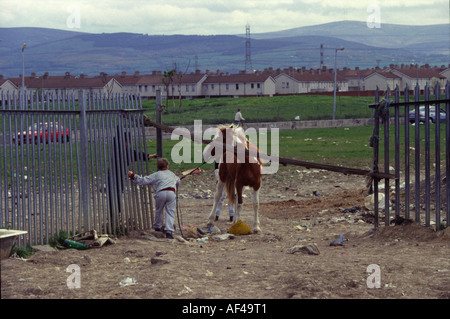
73	244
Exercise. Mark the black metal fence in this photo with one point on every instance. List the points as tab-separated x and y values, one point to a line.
64	162
418	152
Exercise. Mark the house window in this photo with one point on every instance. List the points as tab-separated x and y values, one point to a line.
193	87
252	85
258	85
237	86
227	87
212	86
153	88
287	85
187	88
206	86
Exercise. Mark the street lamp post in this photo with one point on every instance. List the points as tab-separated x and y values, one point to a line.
335	72
22	104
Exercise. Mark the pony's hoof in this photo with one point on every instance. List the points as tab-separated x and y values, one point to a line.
257	230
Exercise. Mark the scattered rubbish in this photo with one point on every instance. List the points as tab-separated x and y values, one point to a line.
202	240
185	291
338	241
201	232
222	237
302	227
126	260
157	260
160	253
191	231
209	273
316	193
213	230
128	281
76	245
369	201
399	220
354	209
310	249
240	228
90	239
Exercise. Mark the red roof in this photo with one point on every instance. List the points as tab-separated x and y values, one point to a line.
62	82
421	72
237	78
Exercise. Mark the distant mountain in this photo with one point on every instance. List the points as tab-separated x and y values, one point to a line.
59	51
387	36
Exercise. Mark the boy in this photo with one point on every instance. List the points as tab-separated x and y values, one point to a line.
238	118
164	182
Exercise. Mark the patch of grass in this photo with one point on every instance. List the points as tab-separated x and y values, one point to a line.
23	252
58	239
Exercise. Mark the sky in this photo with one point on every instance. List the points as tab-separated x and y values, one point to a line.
213	17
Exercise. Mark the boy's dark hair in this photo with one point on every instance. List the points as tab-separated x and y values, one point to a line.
162	163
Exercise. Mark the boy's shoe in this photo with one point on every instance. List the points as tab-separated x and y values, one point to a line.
169	235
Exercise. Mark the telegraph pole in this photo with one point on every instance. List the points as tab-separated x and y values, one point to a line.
248	54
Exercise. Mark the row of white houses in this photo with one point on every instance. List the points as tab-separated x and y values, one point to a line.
269	82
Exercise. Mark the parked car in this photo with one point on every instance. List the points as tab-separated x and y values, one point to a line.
433	116
43	132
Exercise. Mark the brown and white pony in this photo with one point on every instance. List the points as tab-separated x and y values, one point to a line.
237	169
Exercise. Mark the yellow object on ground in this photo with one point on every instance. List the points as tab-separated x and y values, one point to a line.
240	228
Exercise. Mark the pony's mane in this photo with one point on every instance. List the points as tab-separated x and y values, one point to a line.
236	129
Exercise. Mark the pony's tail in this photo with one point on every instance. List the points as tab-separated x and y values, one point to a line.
231	193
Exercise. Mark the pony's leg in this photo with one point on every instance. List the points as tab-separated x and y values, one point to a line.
219	189
256	228
238	208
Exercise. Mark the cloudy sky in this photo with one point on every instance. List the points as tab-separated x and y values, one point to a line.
207	17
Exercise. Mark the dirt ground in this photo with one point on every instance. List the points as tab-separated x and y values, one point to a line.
299	208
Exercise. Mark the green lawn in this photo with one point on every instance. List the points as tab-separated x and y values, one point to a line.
346	146
261	109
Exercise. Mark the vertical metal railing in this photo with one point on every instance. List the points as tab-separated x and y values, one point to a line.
51	181
425	191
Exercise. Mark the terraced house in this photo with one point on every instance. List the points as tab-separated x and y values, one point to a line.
300	81
67	84
197	84
237	85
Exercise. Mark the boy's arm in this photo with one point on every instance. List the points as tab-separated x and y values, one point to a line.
140	180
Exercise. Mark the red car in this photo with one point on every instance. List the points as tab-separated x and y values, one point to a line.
45	132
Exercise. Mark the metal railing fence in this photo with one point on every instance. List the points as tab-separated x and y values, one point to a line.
64	164
418	153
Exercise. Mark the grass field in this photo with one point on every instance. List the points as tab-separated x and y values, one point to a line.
261	109
345	146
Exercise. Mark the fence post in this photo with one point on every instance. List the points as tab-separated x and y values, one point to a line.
159	121
447	152
83	174
437	154
376	133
